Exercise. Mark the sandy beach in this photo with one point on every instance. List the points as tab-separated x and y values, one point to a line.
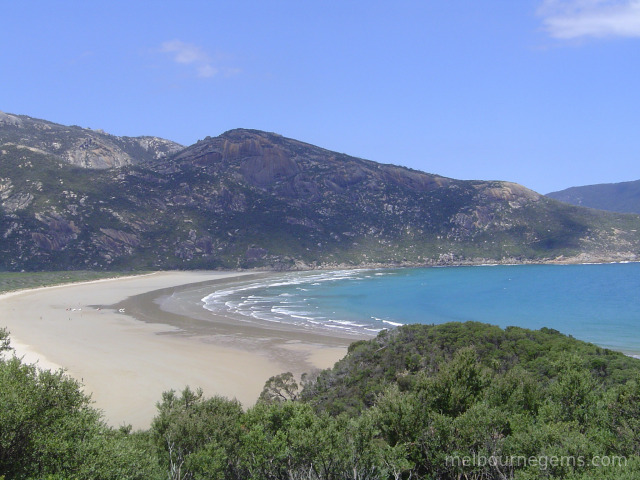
129	339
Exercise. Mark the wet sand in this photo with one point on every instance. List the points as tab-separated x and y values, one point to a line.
129	339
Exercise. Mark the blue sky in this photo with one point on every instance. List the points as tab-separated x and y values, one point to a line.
541	92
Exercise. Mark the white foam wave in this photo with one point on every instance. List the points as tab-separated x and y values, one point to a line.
264	300
395	324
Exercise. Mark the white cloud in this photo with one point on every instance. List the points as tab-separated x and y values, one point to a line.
568	19
185	52
193	55
206	71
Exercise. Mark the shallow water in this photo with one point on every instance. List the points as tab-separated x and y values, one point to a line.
596	303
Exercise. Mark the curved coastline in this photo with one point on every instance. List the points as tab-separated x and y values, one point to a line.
126	359
130	338
180	307
603	323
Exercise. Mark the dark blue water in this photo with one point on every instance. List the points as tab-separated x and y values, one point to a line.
596	303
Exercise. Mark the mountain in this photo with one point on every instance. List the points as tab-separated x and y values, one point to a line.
249	199
614	197
81	146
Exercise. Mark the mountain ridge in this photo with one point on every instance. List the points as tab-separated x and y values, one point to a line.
254	199
79	146
623	197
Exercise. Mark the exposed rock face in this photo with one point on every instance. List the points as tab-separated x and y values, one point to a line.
58	232
93	153
295	168
17	202
6	119
115	243
268	168
81	147
6	187
255	199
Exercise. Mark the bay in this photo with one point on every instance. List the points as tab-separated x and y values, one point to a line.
595	303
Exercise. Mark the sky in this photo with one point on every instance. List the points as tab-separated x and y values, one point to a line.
545	93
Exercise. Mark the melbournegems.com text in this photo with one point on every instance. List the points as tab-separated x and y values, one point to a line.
541	461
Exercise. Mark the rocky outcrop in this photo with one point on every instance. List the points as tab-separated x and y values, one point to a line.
82	147
157	147
268	168
250	199
17	202
96	153
6	119
56	232
6	187
115	243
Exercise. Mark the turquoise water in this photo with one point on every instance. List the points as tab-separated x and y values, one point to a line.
596	303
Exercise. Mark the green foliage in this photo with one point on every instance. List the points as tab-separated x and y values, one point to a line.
482	393
289	440
34	407
456	386
279	388
411	353
5	342
17	281
452	401
623	415
48	429
194	436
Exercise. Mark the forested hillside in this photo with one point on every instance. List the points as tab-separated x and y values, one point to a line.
73	198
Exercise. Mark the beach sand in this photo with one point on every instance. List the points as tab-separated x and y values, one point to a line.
129	339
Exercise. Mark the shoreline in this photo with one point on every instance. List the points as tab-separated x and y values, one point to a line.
163	339
181	308
474	262
125	360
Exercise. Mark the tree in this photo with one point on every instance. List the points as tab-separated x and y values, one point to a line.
40	411
280	388
5	344
48	428
457	384
195	437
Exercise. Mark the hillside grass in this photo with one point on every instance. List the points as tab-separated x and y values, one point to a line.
10	281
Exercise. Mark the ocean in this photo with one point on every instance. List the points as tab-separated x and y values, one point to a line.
596	303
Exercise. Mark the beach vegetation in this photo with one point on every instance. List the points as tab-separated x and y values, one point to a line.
451	401
49	429
196	437
10	281
280	388
5	342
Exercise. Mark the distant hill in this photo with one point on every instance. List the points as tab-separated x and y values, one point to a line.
78	146
249	199
615	197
